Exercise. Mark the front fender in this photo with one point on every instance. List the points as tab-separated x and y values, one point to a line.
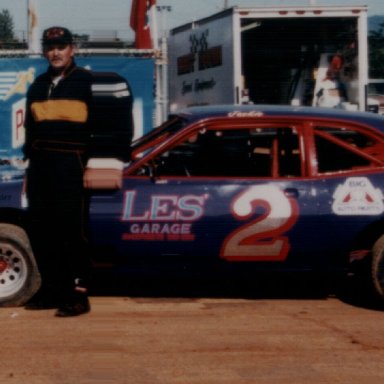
12	189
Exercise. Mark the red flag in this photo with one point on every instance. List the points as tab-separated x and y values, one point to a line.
139	22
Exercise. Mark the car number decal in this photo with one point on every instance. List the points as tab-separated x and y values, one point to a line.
263	238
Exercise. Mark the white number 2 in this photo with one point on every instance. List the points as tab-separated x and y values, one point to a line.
261	239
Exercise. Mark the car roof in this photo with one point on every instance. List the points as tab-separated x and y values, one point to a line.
193	114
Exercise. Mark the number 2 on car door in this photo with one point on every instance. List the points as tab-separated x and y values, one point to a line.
263	238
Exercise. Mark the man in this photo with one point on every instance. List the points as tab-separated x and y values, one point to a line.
332	92
56	143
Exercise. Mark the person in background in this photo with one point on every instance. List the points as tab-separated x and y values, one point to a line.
332	91
57	134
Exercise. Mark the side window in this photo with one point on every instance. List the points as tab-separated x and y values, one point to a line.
245	152
343	149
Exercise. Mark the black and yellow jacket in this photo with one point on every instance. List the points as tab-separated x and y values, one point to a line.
58	118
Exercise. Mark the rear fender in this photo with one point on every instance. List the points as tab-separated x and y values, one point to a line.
364	241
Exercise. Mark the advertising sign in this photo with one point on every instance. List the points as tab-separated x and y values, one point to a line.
17	74
202	65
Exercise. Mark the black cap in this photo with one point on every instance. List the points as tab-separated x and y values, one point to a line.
57	35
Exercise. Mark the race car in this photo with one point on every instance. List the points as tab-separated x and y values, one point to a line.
261	187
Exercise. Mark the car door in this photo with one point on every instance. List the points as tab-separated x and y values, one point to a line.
228	192
348	182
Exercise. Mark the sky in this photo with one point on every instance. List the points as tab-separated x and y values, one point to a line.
112	16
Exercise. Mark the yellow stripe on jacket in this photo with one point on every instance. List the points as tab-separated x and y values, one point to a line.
64	110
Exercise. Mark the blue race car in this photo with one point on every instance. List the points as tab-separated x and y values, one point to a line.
263	187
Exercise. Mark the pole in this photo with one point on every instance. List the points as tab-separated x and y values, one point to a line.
33	27
163	64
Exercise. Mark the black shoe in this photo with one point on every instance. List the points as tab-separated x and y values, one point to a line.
74	308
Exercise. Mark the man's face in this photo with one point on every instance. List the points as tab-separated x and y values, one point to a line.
59	56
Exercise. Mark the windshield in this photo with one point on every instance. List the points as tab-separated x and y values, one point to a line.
157	135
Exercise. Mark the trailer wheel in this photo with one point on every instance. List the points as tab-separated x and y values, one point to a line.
19	275
378	267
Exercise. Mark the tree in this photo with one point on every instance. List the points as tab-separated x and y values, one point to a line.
376	53
6	26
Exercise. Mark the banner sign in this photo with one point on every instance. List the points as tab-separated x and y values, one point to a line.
17	74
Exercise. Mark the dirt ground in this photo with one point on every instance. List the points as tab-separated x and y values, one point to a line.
203	336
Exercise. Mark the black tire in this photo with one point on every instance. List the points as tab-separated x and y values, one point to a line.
378	267
19	275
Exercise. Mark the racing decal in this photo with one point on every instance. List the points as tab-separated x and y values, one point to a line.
262	239
356	197
165	217
245	114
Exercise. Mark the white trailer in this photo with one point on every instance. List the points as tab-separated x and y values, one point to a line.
271	55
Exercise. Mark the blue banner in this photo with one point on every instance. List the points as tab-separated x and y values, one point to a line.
17	74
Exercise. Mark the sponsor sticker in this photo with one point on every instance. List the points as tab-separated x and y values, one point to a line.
357	197
162	217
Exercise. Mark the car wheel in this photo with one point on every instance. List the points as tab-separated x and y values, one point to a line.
19	275
378	267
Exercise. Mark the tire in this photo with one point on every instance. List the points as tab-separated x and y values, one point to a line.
19	275
377	268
